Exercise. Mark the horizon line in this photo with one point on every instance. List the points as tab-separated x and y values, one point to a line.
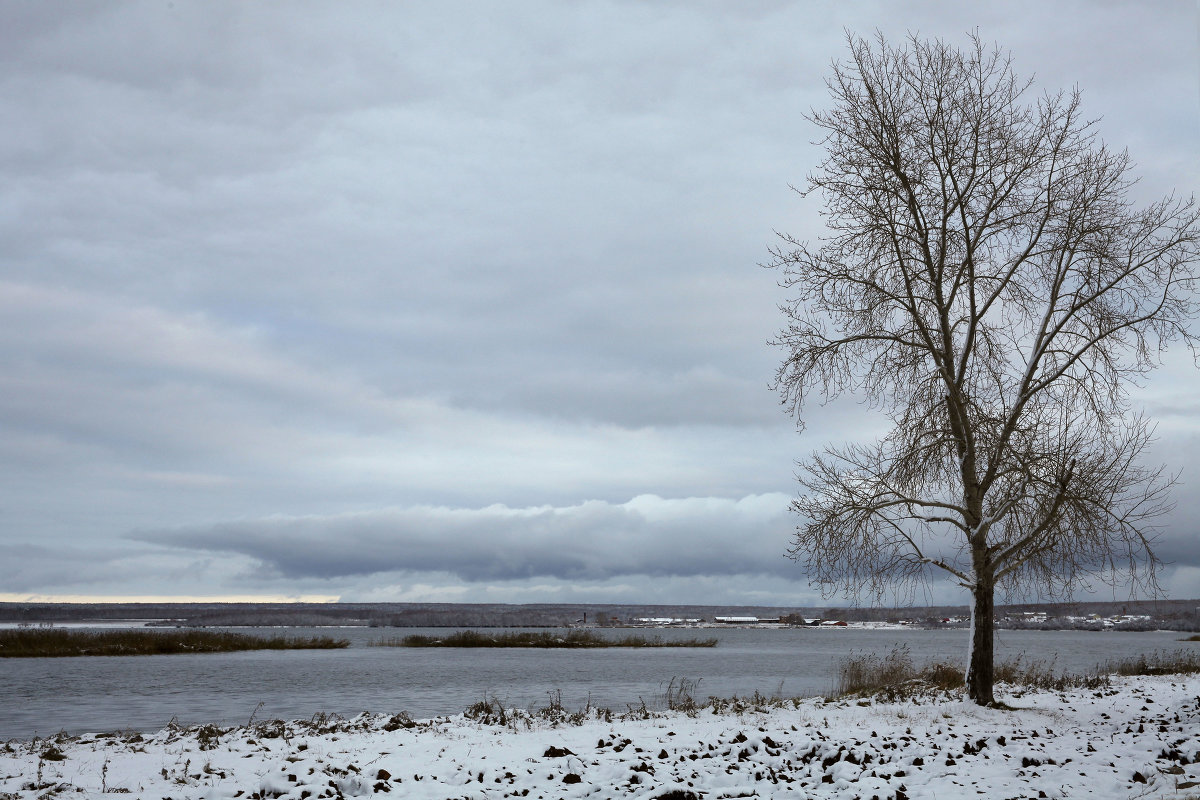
14	597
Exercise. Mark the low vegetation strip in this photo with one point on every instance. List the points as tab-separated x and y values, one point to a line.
58	642
1163	662
895	675
545	639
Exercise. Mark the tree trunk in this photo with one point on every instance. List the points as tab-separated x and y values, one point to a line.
979	671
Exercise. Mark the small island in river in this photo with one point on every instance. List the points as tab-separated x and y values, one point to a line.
544	639
60	642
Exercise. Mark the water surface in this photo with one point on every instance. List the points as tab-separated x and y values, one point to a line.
41	696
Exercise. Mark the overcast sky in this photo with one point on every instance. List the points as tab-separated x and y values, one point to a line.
456	301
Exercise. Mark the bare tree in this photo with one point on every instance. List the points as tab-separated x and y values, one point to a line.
987	284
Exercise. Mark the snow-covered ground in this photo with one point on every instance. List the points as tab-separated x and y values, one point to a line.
1139	737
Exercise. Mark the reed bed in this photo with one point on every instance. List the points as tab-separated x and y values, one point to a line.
61	642
896	675
542	639
1177	662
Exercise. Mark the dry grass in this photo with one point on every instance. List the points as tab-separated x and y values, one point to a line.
1177	662
895	675
892	675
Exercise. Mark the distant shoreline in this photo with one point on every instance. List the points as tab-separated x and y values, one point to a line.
169	624
1143	615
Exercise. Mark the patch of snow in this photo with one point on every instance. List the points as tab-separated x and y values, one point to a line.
1141	736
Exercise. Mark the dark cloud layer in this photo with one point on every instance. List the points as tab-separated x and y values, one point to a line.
589	542
283	289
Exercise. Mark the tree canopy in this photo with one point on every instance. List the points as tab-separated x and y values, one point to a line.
988	284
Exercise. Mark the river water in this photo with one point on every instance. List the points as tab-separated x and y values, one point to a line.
42	696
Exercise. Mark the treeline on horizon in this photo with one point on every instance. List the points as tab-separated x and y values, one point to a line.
1164	614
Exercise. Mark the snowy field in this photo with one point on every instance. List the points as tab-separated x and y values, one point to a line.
1138	738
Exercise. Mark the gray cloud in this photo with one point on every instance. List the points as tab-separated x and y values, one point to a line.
592	541
308	268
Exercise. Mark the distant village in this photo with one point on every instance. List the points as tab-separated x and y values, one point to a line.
1022	620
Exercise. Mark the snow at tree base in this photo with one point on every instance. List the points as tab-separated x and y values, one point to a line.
1139	737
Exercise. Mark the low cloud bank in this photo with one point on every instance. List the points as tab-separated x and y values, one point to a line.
595	540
